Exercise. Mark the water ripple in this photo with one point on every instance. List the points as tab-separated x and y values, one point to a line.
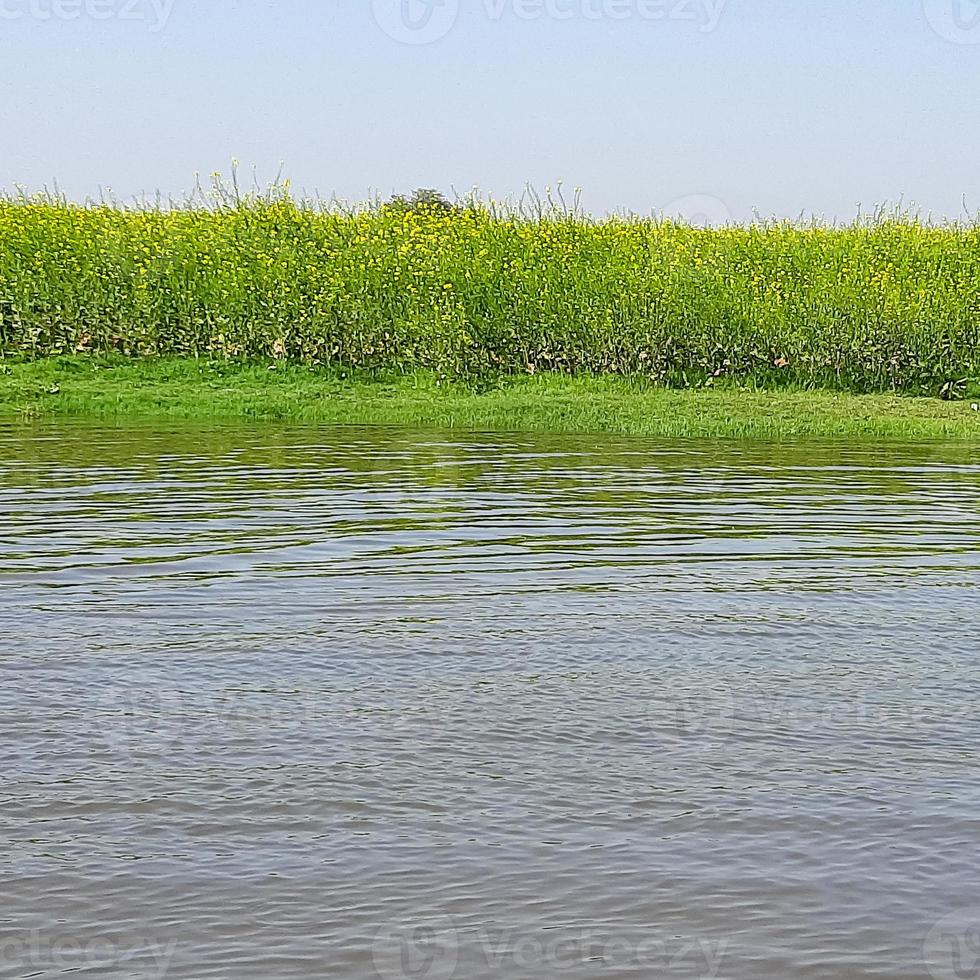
379	704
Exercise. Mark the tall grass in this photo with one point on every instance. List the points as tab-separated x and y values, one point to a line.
883	303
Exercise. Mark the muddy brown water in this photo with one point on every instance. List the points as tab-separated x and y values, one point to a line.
382	704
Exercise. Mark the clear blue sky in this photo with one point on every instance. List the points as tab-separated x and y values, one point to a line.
781	105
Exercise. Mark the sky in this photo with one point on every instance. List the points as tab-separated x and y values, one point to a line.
714	109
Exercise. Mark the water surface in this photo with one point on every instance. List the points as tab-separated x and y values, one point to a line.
355	703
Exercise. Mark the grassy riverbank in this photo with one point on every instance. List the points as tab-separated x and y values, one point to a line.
885	304
171	389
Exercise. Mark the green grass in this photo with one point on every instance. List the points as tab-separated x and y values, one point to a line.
172	389
887	304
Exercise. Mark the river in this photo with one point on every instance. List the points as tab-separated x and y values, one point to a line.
377	704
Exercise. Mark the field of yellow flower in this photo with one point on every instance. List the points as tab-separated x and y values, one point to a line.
877	305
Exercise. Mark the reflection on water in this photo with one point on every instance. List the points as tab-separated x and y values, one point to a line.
380	704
